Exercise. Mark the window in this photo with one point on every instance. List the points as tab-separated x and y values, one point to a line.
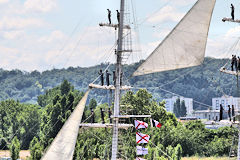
217	104
223	102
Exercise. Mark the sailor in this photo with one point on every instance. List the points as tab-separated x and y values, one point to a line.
232	13
229	113
121	76
101	77
109	16
221	112
232	62
107	77
114	78
233	113
118	16
238	63
92	115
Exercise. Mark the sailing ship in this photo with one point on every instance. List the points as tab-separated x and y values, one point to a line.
183	47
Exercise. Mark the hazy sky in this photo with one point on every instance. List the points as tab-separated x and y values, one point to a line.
46	34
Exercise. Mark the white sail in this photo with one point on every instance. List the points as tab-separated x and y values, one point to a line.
62	147
186	43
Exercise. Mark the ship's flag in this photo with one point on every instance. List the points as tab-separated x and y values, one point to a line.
138	158
141	150
157	124
140	124
142	138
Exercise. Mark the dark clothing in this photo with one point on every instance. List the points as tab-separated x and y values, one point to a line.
221	113
109	16
93	116
101	77
232	12
233	113
118	16
238	64
114	78
229	113
107	78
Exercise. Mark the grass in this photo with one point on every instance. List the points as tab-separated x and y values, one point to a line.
209	158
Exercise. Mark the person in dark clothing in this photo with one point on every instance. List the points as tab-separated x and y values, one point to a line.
114	78
229	112
232	62
118	16
236	63
109	16
233	113
107	77
101	77
221	112
93	116
121	76
232	11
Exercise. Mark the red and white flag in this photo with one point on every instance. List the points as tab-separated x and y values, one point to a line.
138	158
157	124
140	124
141	150
142	138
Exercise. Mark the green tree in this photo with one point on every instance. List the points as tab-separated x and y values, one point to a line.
92	103
15	148
177	108
35	149
65	87
178	152
183	109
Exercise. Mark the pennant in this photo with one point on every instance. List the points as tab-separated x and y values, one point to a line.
157	124
142	138
138	158
140	124
141	150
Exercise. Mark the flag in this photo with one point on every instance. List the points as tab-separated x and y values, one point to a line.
138	158
142	138
157	124
141	150
140	124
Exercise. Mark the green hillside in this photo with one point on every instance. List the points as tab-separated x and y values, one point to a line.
200	83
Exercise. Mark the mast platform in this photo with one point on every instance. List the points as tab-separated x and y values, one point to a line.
224	70
106	125
110	87
113	25
230	20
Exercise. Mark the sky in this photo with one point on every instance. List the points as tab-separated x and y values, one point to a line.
46	34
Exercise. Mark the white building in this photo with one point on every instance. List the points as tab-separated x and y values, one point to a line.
188	103
225	101
207	114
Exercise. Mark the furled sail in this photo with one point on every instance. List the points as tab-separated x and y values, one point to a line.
62	147
186	43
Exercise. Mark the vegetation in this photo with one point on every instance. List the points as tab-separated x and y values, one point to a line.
15	148
36	125
201	83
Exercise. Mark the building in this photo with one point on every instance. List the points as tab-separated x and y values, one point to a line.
207	114
188	103
225	101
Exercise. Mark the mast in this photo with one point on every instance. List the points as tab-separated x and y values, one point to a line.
118	79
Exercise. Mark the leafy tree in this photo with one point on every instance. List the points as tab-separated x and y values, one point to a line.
35	149
15	148
65	87
183	109
92	103
177	108
178	152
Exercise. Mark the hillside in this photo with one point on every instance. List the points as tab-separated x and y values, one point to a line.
200	83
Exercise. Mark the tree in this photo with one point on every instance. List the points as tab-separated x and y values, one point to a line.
178	152
176	109
65	87
92	103
183	109
35	149
15	148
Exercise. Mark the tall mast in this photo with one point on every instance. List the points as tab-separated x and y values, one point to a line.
118	79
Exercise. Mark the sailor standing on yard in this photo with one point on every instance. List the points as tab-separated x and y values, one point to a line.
101	77
118	16
233	113
229	112
109	16
221	112
107	77
232	13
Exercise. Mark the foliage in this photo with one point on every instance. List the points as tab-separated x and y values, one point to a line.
15	148
35	149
